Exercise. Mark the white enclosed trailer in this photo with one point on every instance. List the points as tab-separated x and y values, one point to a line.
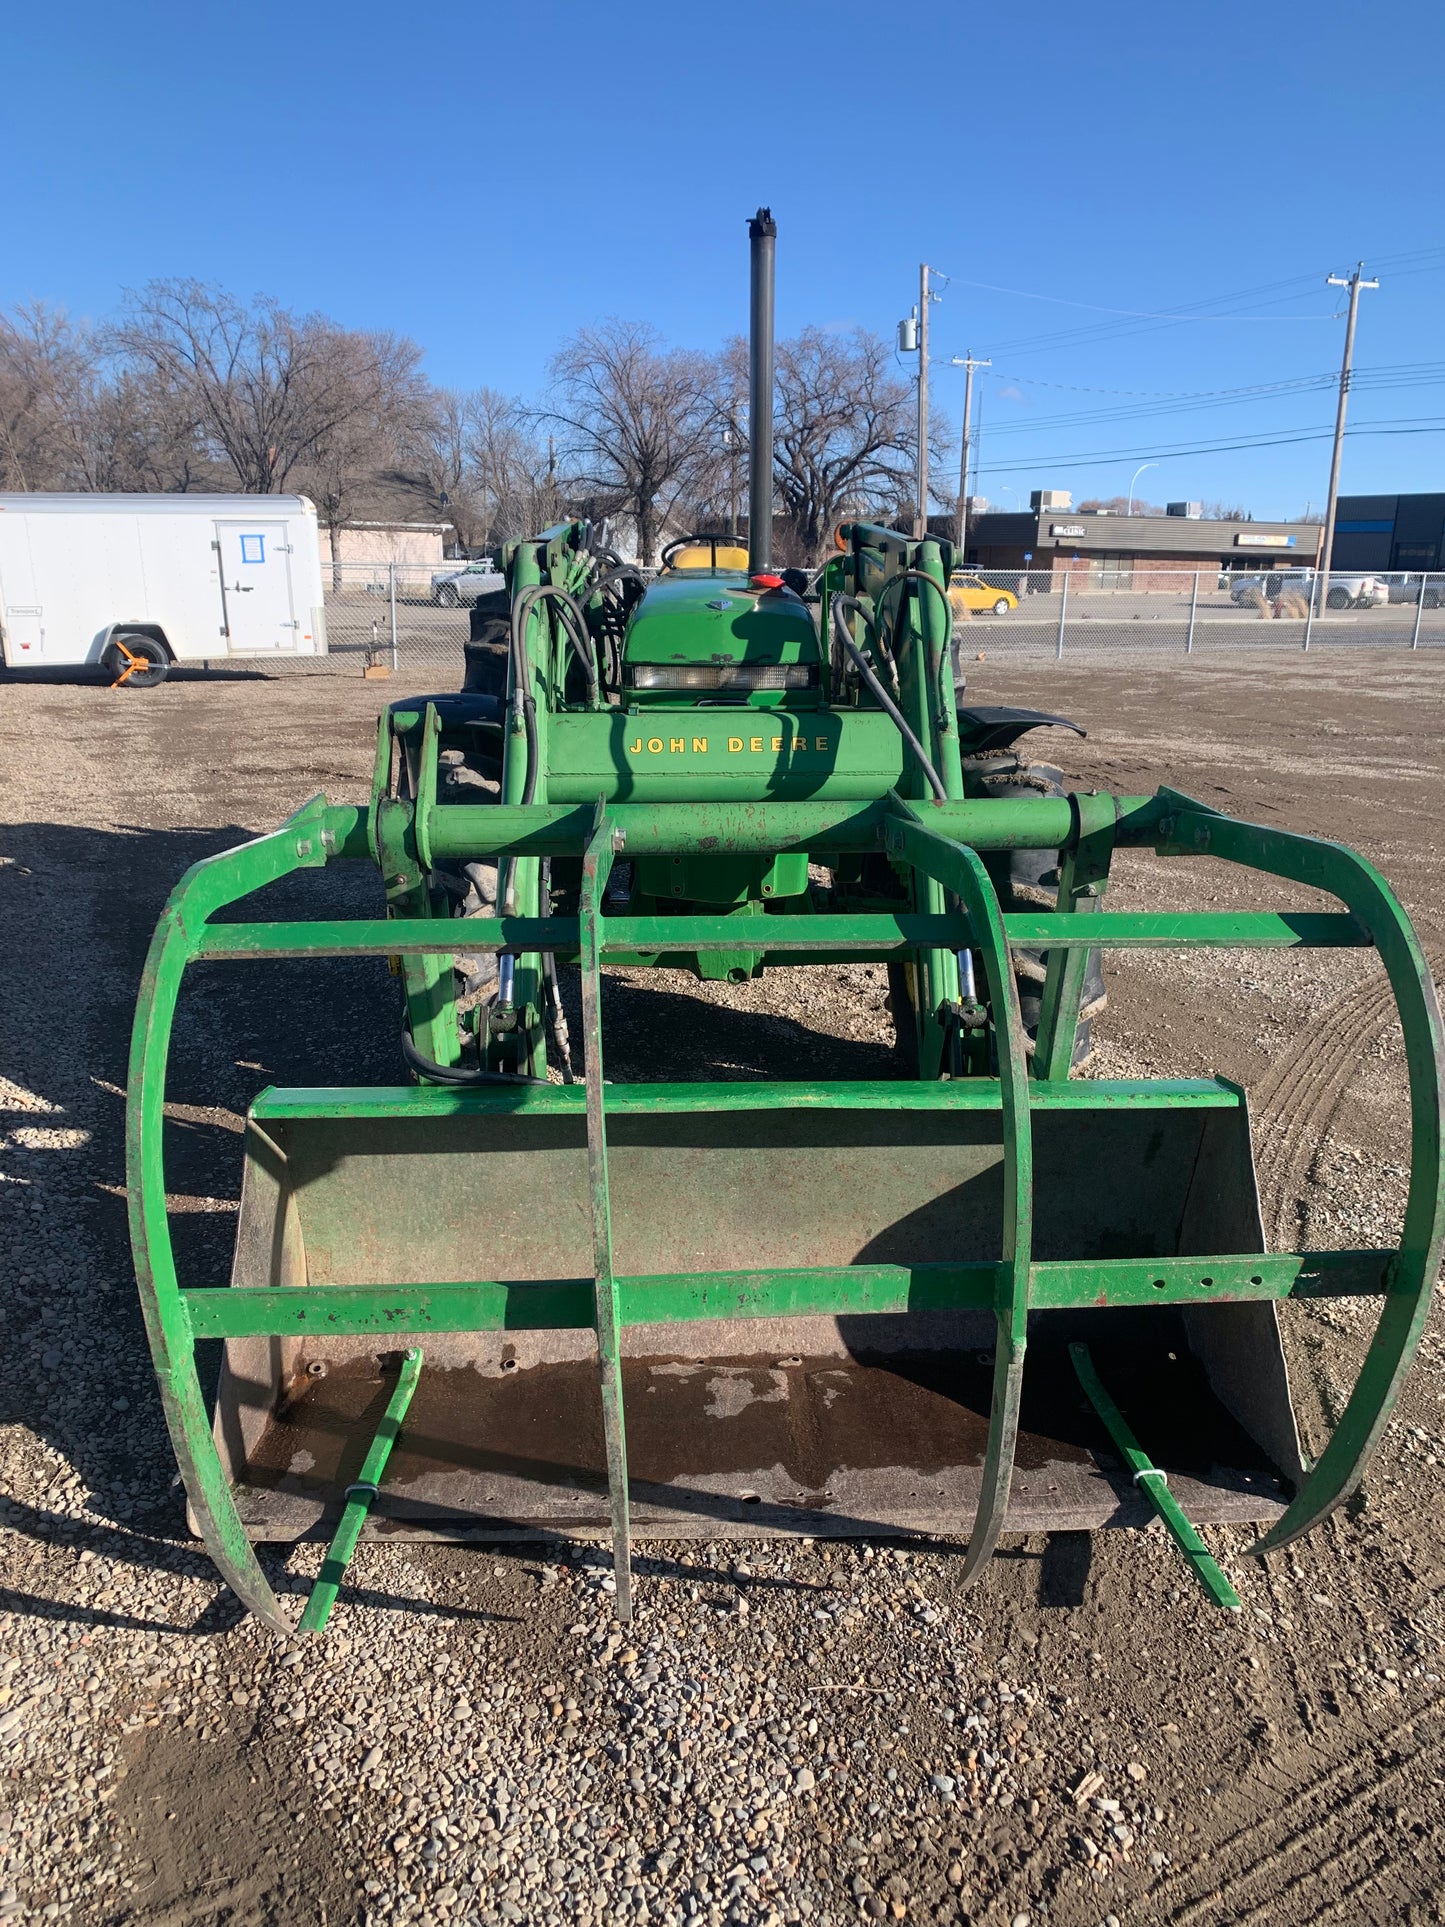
135	583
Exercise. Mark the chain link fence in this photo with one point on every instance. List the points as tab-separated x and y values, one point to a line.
412	618
1124	608
402	616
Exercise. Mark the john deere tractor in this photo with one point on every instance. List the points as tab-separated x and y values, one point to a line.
506	1296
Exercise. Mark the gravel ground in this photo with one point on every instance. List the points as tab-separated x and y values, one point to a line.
791	1731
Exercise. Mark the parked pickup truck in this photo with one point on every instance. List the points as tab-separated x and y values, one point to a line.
465	582
1345	591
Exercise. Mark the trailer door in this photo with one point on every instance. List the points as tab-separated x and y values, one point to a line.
256	584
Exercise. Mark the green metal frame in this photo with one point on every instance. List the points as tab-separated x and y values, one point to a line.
1154	1483
938	846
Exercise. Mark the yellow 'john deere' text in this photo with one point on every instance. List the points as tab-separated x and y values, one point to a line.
737	745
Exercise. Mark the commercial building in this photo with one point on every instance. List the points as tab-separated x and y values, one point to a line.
1108	551
1390	532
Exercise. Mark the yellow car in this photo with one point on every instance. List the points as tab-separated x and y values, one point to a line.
972	596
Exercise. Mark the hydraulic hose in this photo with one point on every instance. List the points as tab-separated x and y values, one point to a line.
456	1073
573	621
935	662
619	571
841	606
524	709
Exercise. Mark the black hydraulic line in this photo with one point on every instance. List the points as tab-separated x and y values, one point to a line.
524	708
935	663
840	606
456	1073
573	621
617	573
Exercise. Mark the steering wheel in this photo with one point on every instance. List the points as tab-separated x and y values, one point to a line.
696	542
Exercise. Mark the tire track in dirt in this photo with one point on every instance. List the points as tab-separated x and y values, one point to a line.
1300	1098
1299	1886
1267	1843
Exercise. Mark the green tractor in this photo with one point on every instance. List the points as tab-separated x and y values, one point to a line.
507	1297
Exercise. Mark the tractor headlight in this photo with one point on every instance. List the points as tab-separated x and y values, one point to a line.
721	675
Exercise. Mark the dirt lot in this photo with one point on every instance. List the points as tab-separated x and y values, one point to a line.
802	1732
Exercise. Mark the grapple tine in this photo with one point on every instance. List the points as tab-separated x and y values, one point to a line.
206	886
961	869
596	865
1346	875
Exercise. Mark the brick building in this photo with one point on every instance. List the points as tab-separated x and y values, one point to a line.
1105	551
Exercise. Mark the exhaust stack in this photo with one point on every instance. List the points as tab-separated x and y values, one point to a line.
763	234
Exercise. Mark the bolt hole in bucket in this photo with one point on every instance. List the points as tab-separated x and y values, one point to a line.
880	1419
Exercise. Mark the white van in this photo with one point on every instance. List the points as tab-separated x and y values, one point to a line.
135	583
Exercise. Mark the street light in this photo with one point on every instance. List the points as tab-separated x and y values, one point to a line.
1137	473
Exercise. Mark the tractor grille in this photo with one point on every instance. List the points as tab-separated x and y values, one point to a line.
721	675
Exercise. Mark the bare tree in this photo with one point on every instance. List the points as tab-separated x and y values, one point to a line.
844	433
633	422
1117	505
71	417
438	455
266	387
515	477
49	381
370	402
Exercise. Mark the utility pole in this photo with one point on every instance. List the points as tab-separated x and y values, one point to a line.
966	362
921	526
1327	544
913	339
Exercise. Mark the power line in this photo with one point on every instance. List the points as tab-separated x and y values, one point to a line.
1098	458
1136	314
1405	376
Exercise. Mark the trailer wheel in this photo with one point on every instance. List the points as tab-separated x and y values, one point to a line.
1028	880
136	661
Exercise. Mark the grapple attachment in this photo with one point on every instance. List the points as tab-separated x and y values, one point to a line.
708	1308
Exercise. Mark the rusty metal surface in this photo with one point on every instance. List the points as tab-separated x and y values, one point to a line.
839	1445
813	1424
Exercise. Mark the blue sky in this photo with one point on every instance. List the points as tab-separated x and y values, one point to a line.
488	178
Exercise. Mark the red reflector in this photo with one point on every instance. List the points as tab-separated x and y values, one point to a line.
766	581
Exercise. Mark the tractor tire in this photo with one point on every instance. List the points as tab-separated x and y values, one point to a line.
156	664
487	608
1028	881
486	653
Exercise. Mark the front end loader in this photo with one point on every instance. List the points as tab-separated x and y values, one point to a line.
505	1296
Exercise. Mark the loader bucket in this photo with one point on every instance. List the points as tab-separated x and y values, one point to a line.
843	1424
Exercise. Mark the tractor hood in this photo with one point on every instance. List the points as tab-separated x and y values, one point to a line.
707	633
